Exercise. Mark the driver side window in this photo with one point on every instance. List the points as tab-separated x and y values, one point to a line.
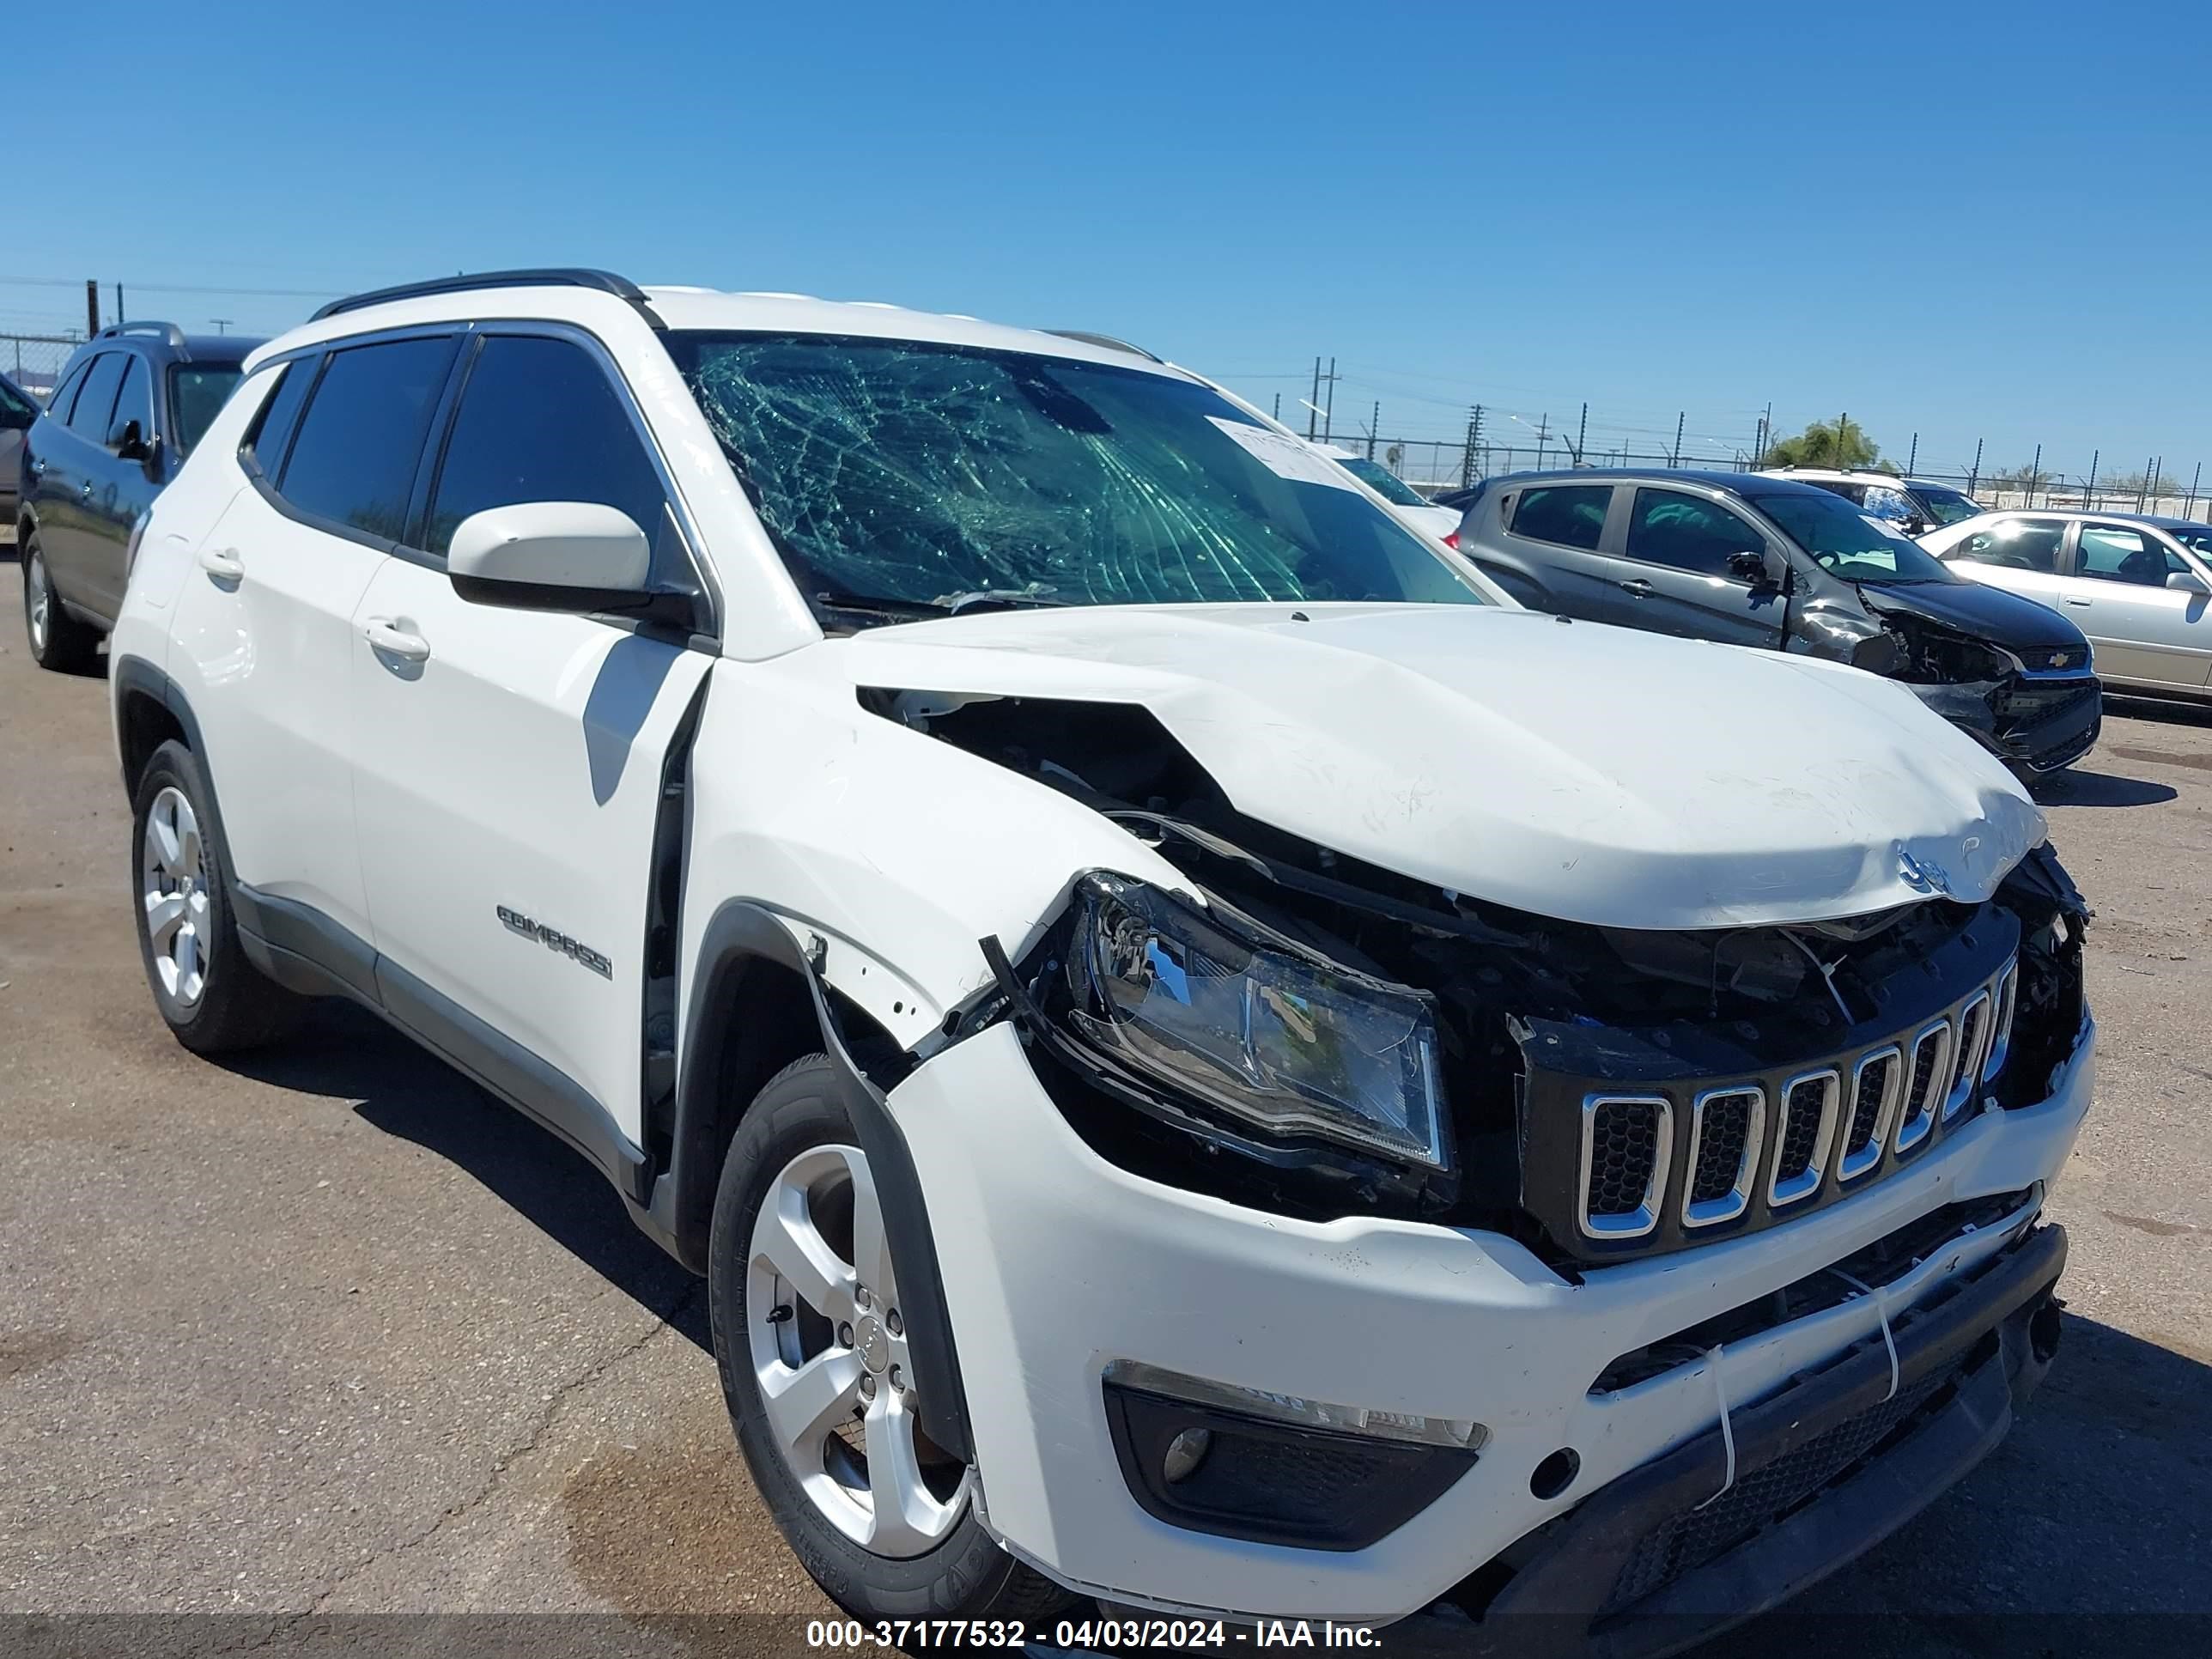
2115	553
1688	532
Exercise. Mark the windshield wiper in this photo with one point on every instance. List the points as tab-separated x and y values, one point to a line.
995	599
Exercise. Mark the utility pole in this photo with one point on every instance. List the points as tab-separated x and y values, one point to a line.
1313	403
1913	456
1474	439
2150	470
1373	421
2089	492
222	326
1278	399
1543	432
1766	433
1582	434
1674	455
1975	477
91	307
118	302
1843	421
1328	409
2188	507
2034	474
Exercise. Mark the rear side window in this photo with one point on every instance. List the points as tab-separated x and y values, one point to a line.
353	460
539	422
95	399
1688	532
65	393
272	428
2016	545
1572	515
134	402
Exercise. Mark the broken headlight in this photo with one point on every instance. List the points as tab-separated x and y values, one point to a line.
1252	1025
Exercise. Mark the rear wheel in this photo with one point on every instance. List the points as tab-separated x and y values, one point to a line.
812	1348
211	997
58	640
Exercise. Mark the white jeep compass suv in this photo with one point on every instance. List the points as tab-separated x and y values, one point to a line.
1212	1063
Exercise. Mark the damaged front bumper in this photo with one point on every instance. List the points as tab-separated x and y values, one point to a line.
1066	1267
2033	723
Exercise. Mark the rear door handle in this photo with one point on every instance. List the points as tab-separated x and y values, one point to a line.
85	492
223	563
390	641
1637	586
2084	604
38	466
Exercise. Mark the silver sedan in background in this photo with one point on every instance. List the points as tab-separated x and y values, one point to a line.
2139	586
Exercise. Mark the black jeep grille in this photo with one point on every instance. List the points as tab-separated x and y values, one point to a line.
1624	1153
1801	1133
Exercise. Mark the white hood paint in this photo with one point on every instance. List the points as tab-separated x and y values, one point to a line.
1587	773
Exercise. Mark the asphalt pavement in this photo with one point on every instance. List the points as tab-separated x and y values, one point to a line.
324	1332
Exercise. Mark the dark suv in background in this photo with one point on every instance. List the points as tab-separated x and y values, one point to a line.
1752	559
130	405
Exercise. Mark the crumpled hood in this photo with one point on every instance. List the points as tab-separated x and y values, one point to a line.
1979	612
1587	773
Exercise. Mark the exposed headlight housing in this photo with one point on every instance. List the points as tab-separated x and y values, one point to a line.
1253	1025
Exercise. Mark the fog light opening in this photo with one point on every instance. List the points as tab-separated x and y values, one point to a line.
1555	1474
2043	1330
1184	1453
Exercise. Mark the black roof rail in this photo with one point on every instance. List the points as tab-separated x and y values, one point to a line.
168	331
557	277
1106	340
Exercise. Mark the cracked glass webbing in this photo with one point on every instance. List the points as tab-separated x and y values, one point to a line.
925	474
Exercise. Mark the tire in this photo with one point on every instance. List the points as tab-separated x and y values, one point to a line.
935	1561
213	1000
58	640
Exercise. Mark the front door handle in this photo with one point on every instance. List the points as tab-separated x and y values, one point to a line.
387	639
223	563
38	466
85	493
1638	588
2084	604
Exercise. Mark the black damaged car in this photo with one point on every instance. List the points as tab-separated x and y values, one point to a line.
1753	560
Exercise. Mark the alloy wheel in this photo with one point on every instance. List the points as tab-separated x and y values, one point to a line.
172	888
38	598
828	1351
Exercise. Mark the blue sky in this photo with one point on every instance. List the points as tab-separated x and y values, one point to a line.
1974	221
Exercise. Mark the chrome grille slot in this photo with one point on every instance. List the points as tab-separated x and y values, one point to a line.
1806	1129
1930	1080
2001	1023
1877	1081
1726	1126
1628	1143
1665	1167
1967	1070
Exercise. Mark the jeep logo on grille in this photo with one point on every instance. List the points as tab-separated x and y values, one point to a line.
1921	875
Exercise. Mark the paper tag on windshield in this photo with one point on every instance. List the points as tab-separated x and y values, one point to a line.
1887	528
1287	457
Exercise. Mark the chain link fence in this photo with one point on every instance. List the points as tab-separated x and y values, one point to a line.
34	361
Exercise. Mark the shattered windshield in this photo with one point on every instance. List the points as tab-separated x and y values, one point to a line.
1848	543
909	477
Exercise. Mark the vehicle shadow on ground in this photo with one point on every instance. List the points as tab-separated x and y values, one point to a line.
345	1052
2170	712
2075	787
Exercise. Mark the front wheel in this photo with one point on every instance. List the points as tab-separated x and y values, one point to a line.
812	1349
57	639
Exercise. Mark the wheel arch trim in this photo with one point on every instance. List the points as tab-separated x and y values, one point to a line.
739	935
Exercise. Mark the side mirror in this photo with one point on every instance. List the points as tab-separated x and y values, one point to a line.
552	556
2187	582
128	439
1751	567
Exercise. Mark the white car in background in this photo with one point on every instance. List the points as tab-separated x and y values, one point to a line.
2139	586
1407	505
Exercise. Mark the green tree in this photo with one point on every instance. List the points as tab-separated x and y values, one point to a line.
1828	443
2137	483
